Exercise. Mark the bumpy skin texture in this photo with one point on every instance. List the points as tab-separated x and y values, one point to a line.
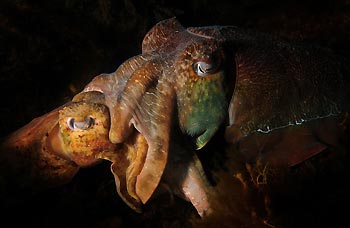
83	145
195	78
270	94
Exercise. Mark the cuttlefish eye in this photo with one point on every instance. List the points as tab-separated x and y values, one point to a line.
80	125
204	68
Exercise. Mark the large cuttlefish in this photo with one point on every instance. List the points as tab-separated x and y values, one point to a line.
198	78
281	102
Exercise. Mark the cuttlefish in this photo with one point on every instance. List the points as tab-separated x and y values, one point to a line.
279	102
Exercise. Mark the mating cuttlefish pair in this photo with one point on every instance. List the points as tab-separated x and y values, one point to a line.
281	102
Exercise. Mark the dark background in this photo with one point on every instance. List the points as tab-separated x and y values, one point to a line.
50	49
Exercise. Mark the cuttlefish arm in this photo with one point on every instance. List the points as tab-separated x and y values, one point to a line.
186	178
126	169
144	106
150	119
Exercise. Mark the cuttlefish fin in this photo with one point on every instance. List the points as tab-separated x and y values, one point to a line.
289	147
299	145
308	151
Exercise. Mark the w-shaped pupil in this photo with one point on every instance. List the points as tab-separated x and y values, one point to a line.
80	125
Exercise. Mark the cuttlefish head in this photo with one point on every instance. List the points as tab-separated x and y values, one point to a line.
82	133
81	136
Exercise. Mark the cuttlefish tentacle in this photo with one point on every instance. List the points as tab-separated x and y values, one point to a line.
151	118
140	146
112	86
128	107
131	80
186	177
135	87
127	162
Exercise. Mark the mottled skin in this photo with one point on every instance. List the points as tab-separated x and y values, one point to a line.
282	103
202	101
83	145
